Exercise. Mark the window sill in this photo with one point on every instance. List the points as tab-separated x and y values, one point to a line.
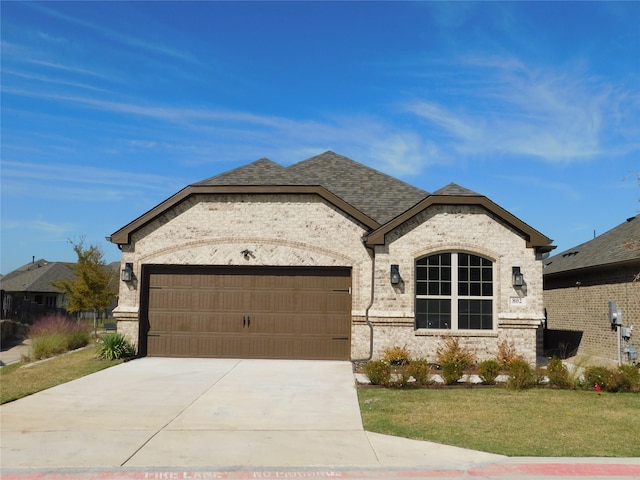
424	332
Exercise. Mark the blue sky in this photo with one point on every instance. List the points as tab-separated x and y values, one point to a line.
110	108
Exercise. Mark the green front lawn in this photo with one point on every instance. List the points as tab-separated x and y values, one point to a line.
19	380
534	422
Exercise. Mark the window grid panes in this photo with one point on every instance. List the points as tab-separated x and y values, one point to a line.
467	307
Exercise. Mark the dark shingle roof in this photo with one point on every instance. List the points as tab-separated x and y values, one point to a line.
619	245
36	277
260	172
454	189
375	194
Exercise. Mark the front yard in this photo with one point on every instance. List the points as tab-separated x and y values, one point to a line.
533	422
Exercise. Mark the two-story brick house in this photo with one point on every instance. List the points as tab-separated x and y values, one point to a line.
327	259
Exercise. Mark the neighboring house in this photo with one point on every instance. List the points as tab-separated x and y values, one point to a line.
327	259
27	292
580	282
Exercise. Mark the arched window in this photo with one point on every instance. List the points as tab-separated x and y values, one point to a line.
454	291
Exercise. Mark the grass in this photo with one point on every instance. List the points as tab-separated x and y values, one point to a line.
534	422
19	380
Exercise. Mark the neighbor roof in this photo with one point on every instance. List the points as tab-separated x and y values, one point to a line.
619	245
36	277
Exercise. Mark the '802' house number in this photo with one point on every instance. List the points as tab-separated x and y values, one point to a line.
518	301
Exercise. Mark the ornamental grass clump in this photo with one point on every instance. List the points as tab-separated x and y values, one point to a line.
114	347
56	334
453	359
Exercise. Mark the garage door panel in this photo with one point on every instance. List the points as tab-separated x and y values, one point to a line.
276	314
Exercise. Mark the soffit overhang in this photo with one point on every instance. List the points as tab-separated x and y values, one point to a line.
533	238
123	236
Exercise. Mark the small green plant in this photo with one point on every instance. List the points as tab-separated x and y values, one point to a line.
396	356
56	334
558	374
420	370
115	346
453	359
488	371
520	375
378	372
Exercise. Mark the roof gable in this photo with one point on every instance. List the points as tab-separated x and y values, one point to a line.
621	244
455	195
374	193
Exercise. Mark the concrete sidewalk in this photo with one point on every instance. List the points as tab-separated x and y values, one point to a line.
14	352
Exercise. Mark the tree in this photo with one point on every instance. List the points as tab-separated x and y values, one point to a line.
92	288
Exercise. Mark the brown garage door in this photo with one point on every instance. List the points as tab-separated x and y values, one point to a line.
263	312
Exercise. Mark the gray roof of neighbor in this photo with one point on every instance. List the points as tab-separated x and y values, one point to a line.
36	277
619	245
374	193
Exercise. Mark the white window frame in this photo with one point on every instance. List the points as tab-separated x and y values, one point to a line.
454	297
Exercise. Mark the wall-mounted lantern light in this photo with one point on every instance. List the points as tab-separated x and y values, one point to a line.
518	278
127	272
395	275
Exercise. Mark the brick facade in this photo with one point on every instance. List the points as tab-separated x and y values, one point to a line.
299	230
577	308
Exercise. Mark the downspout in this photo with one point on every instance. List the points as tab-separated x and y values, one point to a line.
366	312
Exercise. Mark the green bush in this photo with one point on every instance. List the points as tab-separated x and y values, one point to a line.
115	346
453	359
520	375
378	372
451	372
420	370
629	378
56	334
488	371
603	376
558	374
396	356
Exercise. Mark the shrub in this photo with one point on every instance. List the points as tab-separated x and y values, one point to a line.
506	353
115	346
396	356
603	376
453	359
489	371
420	370
378	372
56	334
520	375
558	374
629	378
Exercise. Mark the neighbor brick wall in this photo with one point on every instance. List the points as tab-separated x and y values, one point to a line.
585	307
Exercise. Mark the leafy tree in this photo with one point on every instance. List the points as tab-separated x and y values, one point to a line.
93	287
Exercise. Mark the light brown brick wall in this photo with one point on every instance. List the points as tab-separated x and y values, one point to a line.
306	230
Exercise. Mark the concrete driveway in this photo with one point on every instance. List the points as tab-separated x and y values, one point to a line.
208	412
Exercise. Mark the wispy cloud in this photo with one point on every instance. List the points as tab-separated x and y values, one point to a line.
516	110
21	177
